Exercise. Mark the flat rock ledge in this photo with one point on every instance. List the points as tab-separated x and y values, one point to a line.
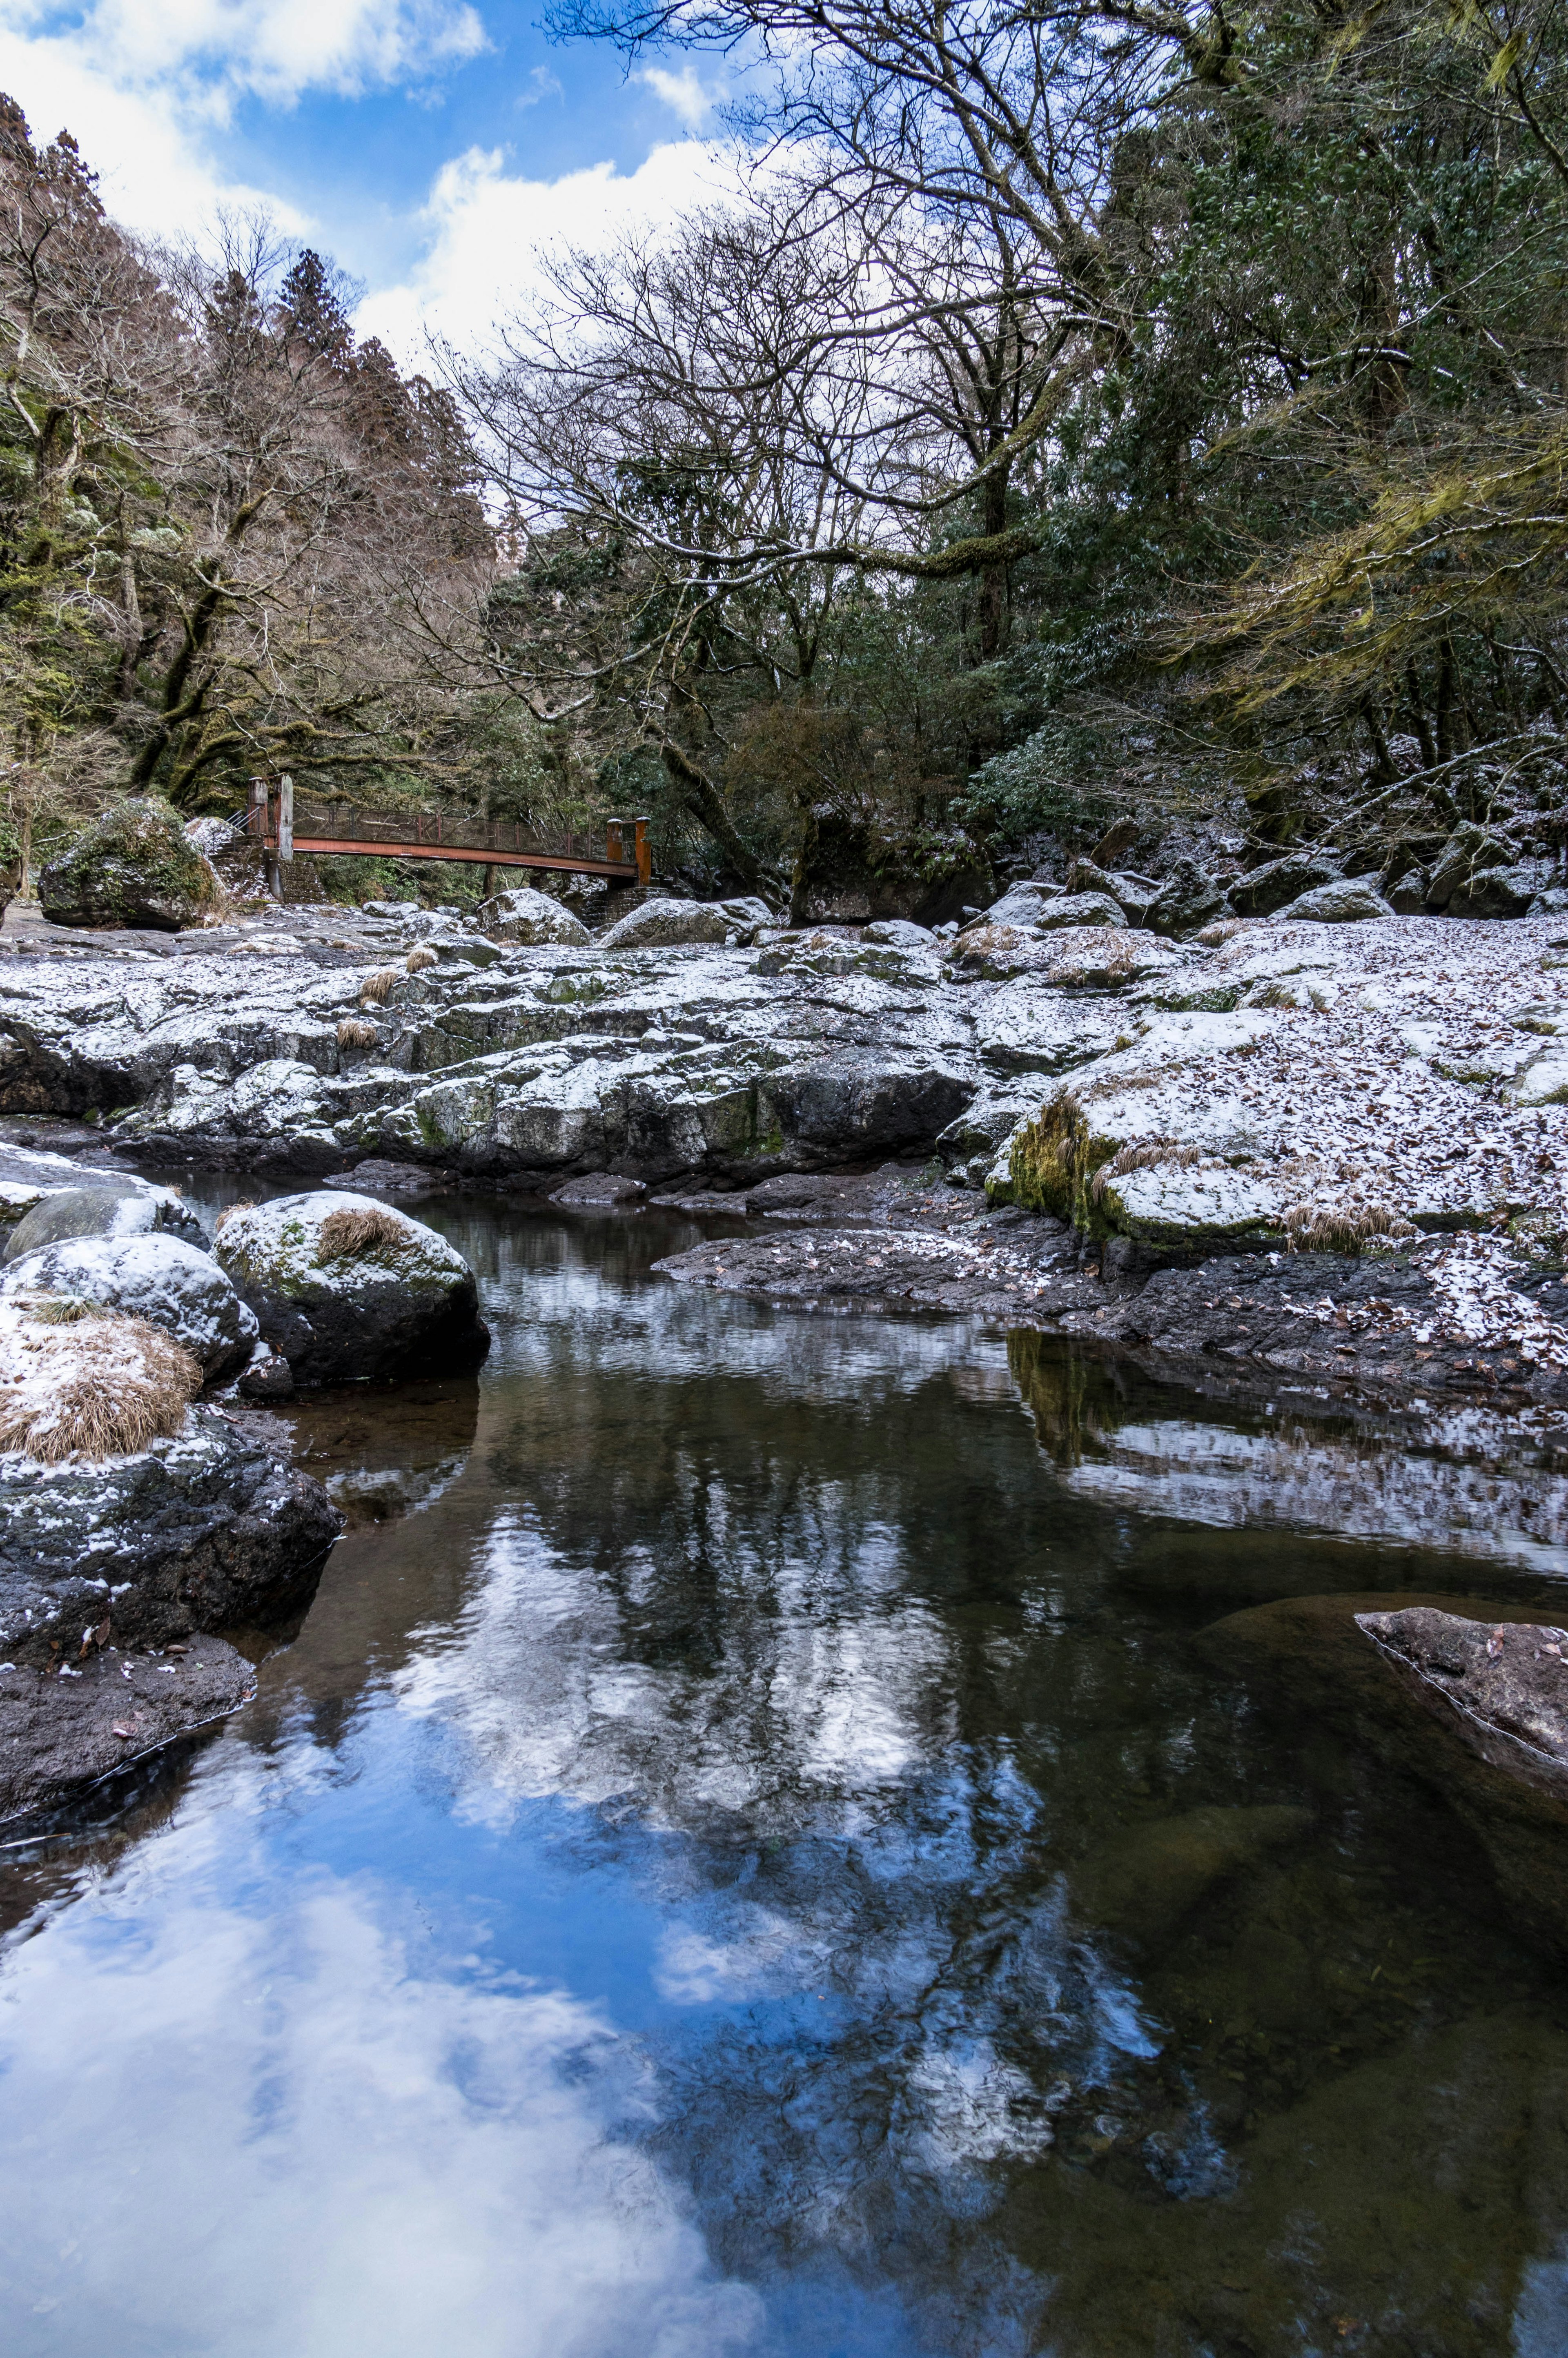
63	1731
1502	1685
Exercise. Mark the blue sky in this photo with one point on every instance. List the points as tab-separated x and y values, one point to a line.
430	146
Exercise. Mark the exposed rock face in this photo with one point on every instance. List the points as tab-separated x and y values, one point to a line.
849	874
201	1532
134	866
1186	902
675	924
107	1207
160	1278
1506	1684
345	1287
529	917
63	1731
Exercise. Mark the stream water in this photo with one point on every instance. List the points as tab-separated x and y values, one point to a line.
751	1852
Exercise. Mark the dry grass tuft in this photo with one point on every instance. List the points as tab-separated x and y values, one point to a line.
230	1212
353	1031
1310	1229
1153	1151
360	1234
419	960
97	1386
375	986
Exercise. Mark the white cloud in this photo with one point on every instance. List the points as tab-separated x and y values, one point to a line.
683	91
149	86
488	228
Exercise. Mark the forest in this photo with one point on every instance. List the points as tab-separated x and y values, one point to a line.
1115	416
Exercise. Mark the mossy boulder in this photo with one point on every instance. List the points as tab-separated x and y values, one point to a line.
345	1287
850	872
134	866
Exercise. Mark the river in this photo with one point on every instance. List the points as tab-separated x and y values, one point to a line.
750	1853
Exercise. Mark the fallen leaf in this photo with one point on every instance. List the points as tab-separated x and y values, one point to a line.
118	1730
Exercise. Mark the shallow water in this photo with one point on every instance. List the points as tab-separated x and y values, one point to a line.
750	1853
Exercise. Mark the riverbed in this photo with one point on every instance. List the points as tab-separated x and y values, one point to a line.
751	1850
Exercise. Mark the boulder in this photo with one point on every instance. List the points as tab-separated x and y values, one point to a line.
108	1207
61	1734
1502	1685
850	872
1187	901
1347	901
345	1288
1467	851
900	932
599	1189
529	917
1505	891
1081	909
1263	890
134	866
675	924
182	1292
1408	897
202	1530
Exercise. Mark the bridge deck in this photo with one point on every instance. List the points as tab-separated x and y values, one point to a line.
270	819
623	872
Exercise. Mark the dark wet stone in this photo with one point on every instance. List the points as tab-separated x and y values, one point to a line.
268	1377
1187	901
377	1177
63	1729
1143	1887
599	1187
203	1532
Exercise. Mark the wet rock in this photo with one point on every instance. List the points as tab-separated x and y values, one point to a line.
203	1530
378	1178
599	1187
1264	889
1144	1887
108	1208
63	1732
528	917
1310	1656
267	1376
1347	901
1187	901
1505	1682
134	866
158	1278
345	1287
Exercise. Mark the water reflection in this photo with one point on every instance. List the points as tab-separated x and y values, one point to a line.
751	1852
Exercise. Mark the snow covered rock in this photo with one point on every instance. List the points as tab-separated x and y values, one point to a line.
134	866
670	925
345	1287
1263	890
160	1278
1187	901
529	917
106	1206
1347	901
1505	891
201	1529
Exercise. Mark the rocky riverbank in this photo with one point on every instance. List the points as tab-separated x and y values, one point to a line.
1285	1157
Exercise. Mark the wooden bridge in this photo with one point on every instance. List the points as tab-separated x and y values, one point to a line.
338	828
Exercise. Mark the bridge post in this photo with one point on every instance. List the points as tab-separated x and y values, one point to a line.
614	839
645	851
286	817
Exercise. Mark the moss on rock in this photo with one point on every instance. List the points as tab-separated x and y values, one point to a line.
135	867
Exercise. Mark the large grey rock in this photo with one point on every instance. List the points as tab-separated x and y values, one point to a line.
160	1278
1049	912
1349	901
205	1530
346	1287
527	917
134	866
1263	890
1502	892
1187	901
1469	850
105	1208
672	924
